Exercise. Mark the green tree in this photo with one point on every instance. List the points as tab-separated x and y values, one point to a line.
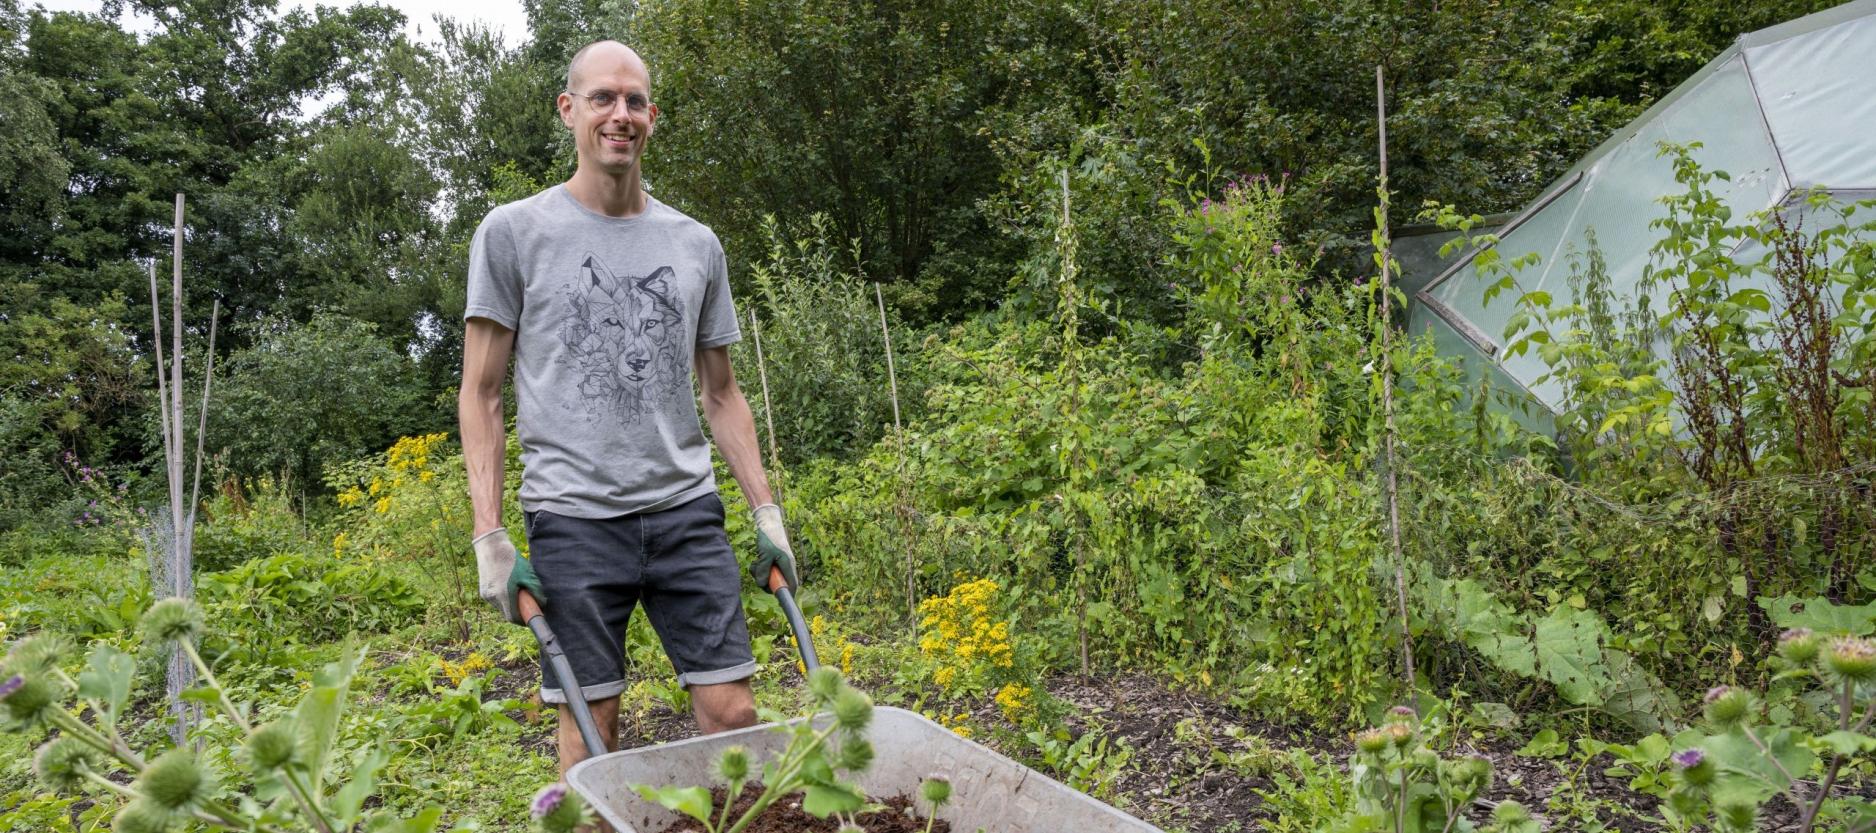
306	394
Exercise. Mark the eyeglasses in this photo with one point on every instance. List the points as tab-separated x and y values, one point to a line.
602	101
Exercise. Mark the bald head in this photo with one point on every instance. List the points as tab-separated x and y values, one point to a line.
605	56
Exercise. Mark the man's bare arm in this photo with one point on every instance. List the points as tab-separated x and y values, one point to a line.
732	424
486	348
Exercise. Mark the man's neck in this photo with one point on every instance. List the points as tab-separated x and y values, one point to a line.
620	195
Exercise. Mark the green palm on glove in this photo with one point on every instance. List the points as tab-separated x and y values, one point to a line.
772	549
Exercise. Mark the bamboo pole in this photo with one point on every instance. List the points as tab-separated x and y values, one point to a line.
177	563
1387	396
768	412
156	344
1071	366
201	428
898	438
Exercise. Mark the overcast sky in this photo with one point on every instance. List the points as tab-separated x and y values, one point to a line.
506	16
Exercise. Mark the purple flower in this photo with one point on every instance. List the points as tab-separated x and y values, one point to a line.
1717	692
1276	248
548	800
13	683
1403	711
1689	758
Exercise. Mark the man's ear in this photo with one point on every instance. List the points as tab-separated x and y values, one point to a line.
651	124
563	105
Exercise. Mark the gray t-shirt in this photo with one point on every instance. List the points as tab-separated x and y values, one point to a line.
607	314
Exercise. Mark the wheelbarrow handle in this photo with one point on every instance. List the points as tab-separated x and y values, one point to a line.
590	735
804	638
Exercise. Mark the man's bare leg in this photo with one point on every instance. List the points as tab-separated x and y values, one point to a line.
721	707
573	750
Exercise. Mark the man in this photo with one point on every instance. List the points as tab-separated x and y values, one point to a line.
608	300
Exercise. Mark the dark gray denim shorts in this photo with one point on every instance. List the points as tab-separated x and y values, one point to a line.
676	562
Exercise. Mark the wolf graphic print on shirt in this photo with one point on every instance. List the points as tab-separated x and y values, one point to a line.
623	341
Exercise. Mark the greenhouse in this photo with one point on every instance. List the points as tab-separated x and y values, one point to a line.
1785	111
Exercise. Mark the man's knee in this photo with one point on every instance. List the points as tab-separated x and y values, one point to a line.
723	706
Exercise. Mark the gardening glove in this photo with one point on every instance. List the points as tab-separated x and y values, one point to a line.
772	548
501	573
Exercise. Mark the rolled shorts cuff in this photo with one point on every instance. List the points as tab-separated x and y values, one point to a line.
726	675
591	693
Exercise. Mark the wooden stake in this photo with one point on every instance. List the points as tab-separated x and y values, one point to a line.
898	437
175	392
156	344
201	428
768	413
1387	397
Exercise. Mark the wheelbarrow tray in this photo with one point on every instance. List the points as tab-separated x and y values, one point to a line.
987	790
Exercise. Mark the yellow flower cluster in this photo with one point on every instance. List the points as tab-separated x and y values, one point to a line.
961	633
954	722
459	671
1014	700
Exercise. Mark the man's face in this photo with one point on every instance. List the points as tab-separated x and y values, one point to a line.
609	110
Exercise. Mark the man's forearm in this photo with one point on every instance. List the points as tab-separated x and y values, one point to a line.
733	426
484	447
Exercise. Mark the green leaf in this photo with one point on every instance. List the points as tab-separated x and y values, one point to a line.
364	782
823	800
1569	654
1544	744
1847	743
691	801
106	678
318	713
1819	614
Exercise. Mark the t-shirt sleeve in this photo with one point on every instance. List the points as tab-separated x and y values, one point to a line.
494	274
716	324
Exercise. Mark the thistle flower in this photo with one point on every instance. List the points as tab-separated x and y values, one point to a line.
38	654
26	698
733	765
1798	645
174	781
1727	706
1851	658
1372	741
555	810
824	683
1737	815
61	764
852	709
171	620
1399	734
856	754
1694	766
935	789
1402	714
272	746
1508	813
141	816
547	800
1472	774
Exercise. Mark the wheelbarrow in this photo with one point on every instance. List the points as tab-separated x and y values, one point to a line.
988	790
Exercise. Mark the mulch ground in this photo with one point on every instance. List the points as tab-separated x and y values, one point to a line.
1173	780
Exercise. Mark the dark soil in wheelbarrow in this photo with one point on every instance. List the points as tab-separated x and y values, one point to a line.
786	816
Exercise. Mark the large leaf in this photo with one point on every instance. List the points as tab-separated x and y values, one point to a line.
823	800
691	801
1569	654
106	679
1819	614
318	713
364	782
1749	775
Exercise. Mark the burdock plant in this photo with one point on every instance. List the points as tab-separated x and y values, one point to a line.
817	748
179	789
1726	777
